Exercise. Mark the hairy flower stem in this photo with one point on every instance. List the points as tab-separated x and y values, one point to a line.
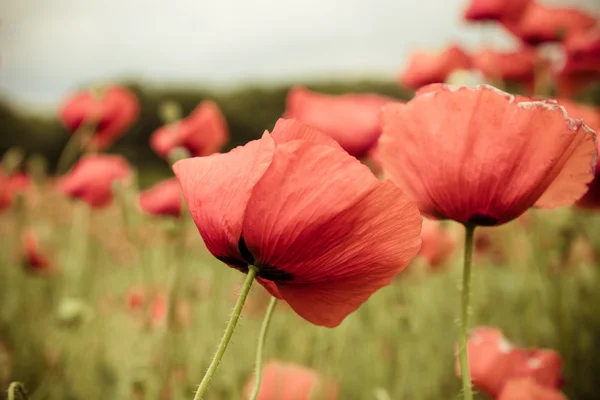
261	344
464	314
235	316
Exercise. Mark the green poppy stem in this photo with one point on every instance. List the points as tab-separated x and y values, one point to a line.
235	316
464	314
261	344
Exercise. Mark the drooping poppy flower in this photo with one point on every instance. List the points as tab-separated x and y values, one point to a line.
202	133
528	389
495	10
36	260
540	23
91	179
109	114
323	232
480	156
425	68
437	243
163	198
513	66
10	185
352	120
287	381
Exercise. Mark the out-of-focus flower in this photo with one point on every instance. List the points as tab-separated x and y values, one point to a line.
163	198
512	66
35	258
159	310
202	133
582	65
91	179
495	10
135	298
352	120
437	243
425	68
287	381
528	389
540	23
11	185
109	113
322	231
480	156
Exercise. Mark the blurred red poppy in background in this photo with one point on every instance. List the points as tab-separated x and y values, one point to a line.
91	179
35	259
582	65
108	114
352	120
287	381
10	185
202	133
323	232
437	243
528	389
425	68
540	23
495	10
480	156
164	198
512	66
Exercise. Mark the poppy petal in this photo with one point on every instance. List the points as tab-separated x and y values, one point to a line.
217	188
287	130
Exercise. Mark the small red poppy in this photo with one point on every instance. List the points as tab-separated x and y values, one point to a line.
323	232
135	298
287	381
513	66
11	185
35	259
528	389
540	23
495	10
202	133
91	179
163	198
352	120
425	68
437	243
159	310
480	156
110	114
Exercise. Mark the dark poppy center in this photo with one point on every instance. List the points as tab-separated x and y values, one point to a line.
265	271
483	220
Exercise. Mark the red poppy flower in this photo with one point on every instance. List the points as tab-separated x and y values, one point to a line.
135	298
540	23
35	259
10	186
323	232
495	10
514	66
110	115
91	179
286	381
202	133
480	156
437	243
528	389
425	68
163	198
352	120
582	65
545	366
159	310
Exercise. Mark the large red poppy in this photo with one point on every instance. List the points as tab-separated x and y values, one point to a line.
480	156
528	389
323	232
495	10
287	381
202	133
425	68
540	23
109	115
164	198
10	185
91	179
513	66
352	120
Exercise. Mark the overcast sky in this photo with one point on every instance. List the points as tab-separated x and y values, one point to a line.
49	47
